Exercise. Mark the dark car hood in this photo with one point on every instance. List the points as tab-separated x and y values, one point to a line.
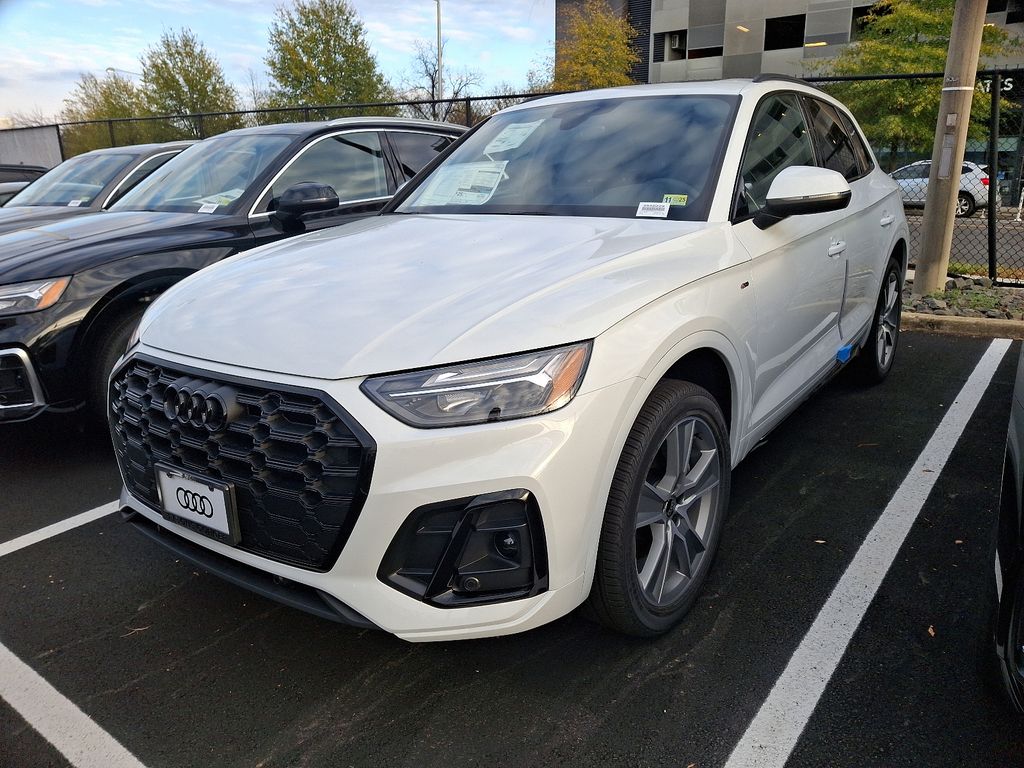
21	216
83	242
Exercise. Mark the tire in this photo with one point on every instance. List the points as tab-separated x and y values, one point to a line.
105	353
643	587
876	357
1011	664
965	205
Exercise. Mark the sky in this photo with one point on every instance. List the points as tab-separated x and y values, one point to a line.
48	43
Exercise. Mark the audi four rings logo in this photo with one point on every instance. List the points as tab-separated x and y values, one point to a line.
200	404
194	502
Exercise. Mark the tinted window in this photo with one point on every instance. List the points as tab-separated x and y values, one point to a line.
835	151
912	172
415	150
352	163
141	171
593	157
864	160
208	177
784	32
75	182
778	140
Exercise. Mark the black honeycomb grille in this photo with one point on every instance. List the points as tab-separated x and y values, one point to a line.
300	465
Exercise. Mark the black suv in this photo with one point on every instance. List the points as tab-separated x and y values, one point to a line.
72	292
86	183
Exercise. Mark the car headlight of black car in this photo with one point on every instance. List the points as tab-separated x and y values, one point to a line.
33	296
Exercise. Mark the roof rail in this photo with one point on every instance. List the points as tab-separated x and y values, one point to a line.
766	76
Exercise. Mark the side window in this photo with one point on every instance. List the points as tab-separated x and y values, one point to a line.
860	149
778	139
352	163
142	170
835	151
415	150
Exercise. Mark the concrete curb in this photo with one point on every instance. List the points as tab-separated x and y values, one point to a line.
988	328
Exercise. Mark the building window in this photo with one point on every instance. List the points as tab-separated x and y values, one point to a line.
996	6
704	53
784	32
1014	12
859	21
675	45
657	47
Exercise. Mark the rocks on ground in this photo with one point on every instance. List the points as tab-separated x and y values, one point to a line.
969	297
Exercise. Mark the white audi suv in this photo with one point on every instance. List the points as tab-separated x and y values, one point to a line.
524	386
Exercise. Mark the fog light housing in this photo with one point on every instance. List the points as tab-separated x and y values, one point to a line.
482	549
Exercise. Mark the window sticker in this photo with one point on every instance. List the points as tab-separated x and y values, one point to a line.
511	137
208	207
74	203
674	199
463	184
221	198
653	210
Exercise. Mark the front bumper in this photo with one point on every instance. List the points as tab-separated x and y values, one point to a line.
564	460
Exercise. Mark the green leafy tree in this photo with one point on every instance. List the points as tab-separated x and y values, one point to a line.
596	50
319	54
106	98
181	77
907	37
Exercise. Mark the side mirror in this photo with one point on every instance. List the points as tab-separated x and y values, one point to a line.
802	189
305	197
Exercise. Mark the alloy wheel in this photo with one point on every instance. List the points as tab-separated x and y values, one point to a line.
888	321
676	510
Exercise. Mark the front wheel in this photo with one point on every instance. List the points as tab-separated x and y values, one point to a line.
665	512
1012	662
105	354
876	358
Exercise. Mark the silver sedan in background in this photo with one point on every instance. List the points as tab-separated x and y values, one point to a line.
974	181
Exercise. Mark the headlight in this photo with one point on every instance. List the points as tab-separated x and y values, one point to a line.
30	297
482	391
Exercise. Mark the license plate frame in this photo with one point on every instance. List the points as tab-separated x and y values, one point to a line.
201	504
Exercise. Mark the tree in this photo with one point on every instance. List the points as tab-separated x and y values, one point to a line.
181	77
319	54
421	85
596	52
906	36
104	98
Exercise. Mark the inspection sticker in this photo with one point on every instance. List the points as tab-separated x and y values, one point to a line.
207	207
74	203
674	199
653	210
511	137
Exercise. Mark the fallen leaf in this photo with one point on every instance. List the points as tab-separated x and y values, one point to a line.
931	630
959	541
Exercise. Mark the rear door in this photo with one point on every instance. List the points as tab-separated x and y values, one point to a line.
798	285
860	229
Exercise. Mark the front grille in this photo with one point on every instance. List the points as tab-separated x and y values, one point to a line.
299	464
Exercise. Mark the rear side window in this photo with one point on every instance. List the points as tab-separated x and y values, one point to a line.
415	150
835	150
142	170
778	139
859	147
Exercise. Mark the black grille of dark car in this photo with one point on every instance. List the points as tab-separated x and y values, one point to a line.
15	388
299	464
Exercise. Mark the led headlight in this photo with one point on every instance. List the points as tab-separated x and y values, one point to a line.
30	297
482	391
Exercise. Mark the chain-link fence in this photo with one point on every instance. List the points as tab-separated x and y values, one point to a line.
897	112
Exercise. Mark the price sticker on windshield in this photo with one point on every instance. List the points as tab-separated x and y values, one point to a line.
653	210
207	207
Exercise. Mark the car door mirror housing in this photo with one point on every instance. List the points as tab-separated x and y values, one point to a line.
803	189
305	197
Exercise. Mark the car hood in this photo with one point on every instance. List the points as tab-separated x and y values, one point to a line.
407	291
69	246
21	216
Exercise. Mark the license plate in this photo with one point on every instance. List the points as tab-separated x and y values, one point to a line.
200	504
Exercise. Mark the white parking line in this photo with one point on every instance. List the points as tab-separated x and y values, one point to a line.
57	719
52	530
774	732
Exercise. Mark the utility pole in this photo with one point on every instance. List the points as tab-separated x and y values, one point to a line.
950	141
440	77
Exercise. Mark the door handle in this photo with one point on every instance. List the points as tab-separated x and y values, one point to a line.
887	220
837	247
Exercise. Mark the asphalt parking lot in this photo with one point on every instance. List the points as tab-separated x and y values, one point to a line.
185	670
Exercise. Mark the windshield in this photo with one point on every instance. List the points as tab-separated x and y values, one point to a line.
608	157
75	182
207	177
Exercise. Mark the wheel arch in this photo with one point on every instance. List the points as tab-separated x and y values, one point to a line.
707	368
